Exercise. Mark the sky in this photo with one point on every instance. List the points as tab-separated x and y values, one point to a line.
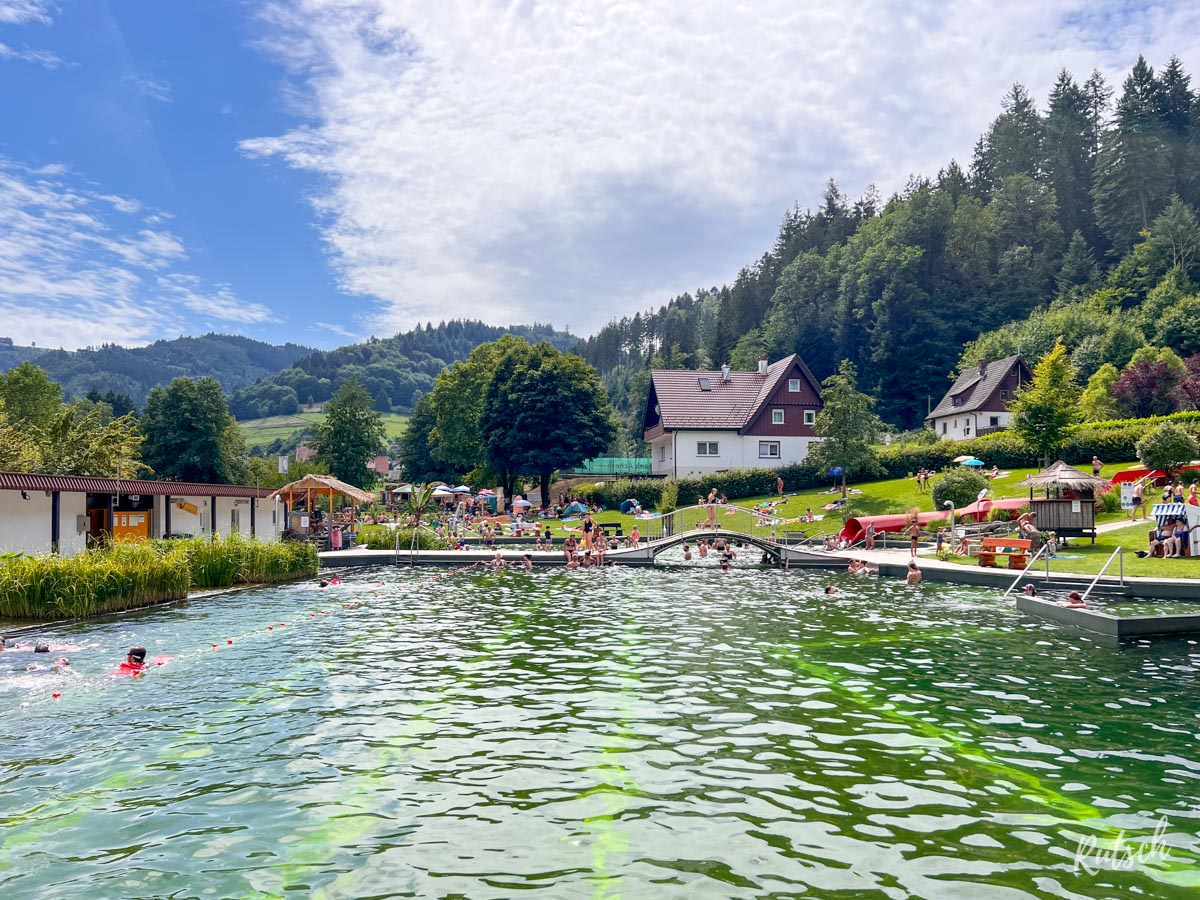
320	171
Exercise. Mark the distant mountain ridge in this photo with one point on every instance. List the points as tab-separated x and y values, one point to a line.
233	360
395	370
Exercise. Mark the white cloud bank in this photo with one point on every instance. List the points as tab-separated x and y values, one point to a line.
503	160
80	269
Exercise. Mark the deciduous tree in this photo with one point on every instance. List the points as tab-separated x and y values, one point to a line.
848	425
190	435
1046	410
351	434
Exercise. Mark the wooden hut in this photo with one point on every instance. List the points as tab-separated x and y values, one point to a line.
1068	507
311	487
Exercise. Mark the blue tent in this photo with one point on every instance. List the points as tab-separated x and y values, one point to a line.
627	505
574	509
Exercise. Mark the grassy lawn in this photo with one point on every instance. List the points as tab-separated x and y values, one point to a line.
896	495
260	432
1082	558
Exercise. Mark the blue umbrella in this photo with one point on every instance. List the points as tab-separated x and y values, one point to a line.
973	462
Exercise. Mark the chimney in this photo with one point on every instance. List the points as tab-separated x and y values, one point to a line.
762	367
725	372
982	367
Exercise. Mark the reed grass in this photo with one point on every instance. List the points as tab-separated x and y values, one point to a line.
129	575
380	538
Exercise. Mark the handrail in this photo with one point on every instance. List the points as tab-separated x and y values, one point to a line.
1028	566
1118	552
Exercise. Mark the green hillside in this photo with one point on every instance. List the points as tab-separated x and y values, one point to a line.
264	433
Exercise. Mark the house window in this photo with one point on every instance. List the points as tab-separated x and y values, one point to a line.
706	448
810	417
777	417
943	427
662	453
793	385
1003	396
768	449
967	430
957	401
994	422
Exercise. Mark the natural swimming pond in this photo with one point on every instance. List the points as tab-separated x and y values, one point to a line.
636	733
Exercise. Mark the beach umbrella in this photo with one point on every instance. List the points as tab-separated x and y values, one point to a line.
443	492
462	489
520	501
963	459
487	492
973	462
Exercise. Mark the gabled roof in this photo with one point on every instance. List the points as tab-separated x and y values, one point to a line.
975	388
727	404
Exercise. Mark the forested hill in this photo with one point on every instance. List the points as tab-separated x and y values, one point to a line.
1062	225
232	360
393	370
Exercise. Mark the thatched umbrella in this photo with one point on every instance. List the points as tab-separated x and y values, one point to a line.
1061	476
322	484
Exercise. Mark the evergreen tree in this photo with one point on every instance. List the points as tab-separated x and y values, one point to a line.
1014	141
1133	170
1079	273
1069	161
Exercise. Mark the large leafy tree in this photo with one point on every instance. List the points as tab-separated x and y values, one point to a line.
29	396
351	434
416	450
1046	410
848	424
190	435
543	410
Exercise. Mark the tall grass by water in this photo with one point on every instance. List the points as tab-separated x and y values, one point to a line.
130	575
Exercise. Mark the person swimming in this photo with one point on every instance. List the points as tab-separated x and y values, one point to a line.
135	662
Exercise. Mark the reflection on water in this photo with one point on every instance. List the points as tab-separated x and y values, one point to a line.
635	733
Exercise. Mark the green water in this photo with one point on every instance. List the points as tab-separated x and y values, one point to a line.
625	733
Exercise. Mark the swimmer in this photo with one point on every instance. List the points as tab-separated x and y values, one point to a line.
1073	601
724	565
527	561
322	583
914	573
830	589
41	647
335	581
1030	590
135	662
687	552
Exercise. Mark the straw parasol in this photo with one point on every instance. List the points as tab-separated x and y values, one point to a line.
1061	476
321	484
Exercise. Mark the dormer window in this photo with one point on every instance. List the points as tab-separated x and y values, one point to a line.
957	401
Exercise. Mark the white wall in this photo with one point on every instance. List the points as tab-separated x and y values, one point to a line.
967	425
25	524
268	516
734	451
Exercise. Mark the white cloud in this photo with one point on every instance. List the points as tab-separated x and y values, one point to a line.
152	87
43	58
554	161
218	302
17	12
78	268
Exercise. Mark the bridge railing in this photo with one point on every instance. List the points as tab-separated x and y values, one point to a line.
727	517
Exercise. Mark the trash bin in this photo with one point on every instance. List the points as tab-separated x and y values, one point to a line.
335	539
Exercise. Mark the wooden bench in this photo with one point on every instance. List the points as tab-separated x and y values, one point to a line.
1015	549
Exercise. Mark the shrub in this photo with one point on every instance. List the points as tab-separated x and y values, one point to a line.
385	539
961	485
668	498
1109	501
1168	447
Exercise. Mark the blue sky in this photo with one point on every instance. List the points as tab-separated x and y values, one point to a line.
323	170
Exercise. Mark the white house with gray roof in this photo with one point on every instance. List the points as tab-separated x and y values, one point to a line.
977	402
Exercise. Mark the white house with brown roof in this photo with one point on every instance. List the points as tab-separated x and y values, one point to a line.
702	422
977	402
